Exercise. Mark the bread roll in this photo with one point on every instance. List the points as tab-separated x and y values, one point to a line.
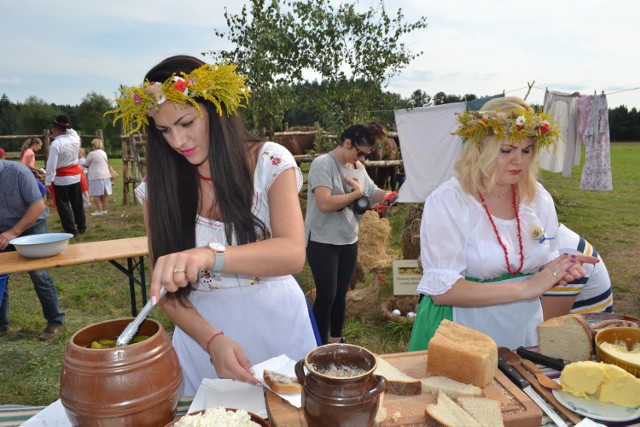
462	354
566	337
280	383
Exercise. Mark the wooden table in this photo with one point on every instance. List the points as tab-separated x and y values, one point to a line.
133	249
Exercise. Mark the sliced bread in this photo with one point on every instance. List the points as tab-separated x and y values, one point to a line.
447	413
398	382
462	354
281	383
485	411
566	337
453	389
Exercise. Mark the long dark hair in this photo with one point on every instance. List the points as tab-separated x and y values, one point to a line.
173	183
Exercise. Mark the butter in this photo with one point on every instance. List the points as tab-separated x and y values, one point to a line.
620	351
605	382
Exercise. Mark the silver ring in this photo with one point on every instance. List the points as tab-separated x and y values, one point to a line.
179	270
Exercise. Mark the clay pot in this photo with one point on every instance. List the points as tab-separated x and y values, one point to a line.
331	399
133	386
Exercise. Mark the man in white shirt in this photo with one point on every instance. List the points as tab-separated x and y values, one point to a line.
65	178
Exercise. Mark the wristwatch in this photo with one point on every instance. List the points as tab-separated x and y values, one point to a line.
219	250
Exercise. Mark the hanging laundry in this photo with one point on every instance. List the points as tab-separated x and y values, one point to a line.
562	107
596	172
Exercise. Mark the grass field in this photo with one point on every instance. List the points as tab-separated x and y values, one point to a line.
30	370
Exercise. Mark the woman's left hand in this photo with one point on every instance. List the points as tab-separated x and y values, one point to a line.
178	269
576	270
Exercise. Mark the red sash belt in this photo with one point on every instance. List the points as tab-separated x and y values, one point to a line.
70	170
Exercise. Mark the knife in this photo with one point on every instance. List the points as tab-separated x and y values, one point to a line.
541	359
523	384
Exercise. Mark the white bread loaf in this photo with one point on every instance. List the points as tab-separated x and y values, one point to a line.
462	354
451	388
280	383
398	382
485	411
566	337
447	413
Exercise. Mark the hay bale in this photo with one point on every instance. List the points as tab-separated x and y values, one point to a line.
360	301
410	240
373	241
404	304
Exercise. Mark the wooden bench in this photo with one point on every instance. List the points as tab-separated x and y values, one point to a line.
132	249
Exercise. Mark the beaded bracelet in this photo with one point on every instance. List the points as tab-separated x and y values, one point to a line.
212	338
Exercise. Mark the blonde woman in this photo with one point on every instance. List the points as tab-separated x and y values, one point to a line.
487	235
97	163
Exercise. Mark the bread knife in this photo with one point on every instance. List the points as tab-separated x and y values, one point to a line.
525	386
541	359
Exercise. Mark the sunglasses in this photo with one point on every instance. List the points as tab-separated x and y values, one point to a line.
361	153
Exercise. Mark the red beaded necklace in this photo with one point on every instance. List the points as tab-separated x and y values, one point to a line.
205	178
495	230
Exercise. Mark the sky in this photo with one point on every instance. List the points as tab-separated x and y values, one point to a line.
61	51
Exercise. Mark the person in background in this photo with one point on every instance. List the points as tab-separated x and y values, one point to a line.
82	156
65	178
485	249
28	156
224	223
24	213
589	294
337	182
97	163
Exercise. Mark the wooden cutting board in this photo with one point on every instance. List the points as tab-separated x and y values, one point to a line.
408	411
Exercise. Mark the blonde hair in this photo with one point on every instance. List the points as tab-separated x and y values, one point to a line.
97	144
476	169
30	142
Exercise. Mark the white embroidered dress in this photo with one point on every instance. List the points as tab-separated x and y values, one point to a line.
266	316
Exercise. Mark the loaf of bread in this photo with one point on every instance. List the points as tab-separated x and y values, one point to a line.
605	382
566	337
462	354
398	382
280	383
452	388
485	411
447	413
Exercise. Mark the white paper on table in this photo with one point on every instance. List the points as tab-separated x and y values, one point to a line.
589	423
226	393
53	415
284	365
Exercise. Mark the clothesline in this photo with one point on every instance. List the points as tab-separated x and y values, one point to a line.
607	94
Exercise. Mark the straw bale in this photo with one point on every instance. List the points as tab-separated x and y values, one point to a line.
360	301
404	304
410	240
373	241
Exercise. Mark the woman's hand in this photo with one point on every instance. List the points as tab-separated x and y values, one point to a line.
355	184
178	269
230	361
562	270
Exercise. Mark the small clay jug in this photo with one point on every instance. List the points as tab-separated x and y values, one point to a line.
339	388
137	385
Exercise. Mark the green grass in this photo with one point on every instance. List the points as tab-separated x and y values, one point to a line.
30	370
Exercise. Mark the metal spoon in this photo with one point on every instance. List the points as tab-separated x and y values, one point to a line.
127	335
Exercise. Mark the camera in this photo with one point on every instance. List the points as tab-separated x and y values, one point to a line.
361	205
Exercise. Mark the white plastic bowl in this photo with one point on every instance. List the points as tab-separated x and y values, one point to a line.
41	245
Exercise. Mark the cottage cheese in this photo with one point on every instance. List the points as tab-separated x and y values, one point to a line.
217	417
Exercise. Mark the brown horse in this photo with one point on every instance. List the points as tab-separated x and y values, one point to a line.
385	176
297	141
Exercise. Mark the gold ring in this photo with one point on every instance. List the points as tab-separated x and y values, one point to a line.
178	270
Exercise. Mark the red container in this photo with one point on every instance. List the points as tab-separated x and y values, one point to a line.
137	385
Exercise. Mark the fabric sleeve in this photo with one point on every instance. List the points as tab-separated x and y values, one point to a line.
52	161
141	191
275	160
546	211
442	242
90	159
28	186
321	173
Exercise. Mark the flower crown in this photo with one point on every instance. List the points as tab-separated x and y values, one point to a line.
475	125
219	84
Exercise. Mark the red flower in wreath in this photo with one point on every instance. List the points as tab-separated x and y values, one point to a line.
180	85
544	128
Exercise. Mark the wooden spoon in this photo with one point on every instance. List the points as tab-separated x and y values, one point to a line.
540	376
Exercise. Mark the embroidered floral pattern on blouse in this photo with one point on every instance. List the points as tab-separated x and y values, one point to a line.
254	281
275	160
208	279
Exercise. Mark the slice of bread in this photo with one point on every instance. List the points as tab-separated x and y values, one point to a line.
398	382
485	411
280	383
451	388
566	337
447	413
462	354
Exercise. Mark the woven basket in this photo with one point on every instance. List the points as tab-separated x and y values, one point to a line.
404	304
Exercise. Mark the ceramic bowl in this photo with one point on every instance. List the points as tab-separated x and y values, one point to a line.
41	245
628	336
256	419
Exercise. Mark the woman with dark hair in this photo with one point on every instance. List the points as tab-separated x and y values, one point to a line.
339	191
224	223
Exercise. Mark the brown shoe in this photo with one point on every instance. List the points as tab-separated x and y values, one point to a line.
49	332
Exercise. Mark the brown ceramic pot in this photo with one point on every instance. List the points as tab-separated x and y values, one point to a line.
331	399
137	385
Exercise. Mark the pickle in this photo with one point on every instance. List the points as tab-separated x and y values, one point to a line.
96	345
107	343
139	338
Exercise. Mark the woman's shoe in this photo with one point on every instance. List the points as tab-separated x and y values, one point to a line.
97	213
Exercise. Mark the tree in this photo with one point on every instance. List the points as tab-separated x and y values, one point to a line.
354	53
8	116
91	117
35	116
